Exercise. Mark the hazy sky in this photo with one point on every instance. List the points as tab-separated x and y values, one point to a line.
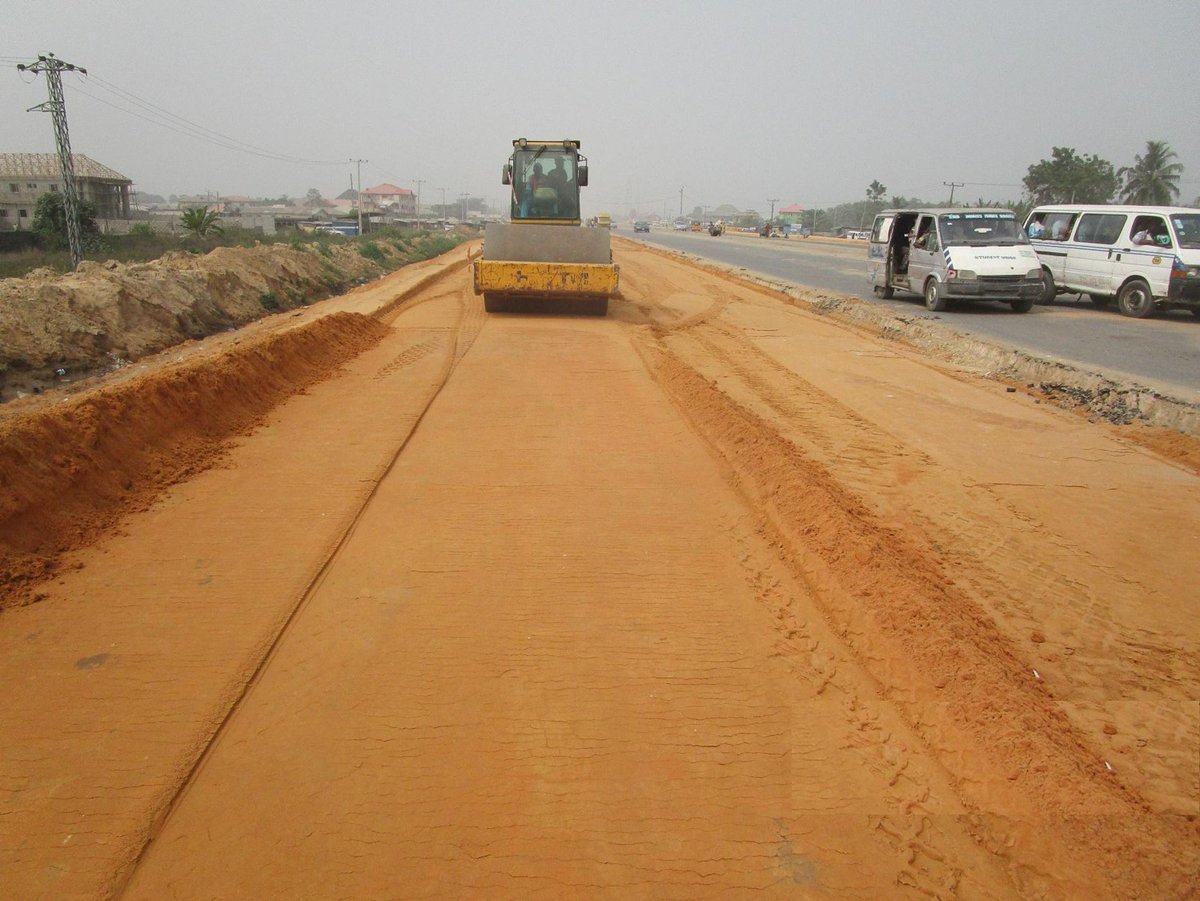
736	102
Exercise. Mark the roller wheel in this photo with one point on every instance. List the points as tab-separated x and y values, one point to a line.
497	303
934	299
1135	299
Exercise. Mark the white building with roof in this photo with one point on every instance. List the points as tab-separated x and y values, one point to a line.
24	177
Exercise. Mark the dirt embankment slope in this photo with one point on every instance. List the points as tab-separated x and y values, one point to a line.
71	465
56	328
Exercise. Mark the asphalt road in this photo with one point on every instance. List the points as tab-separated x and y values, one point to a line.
1162	352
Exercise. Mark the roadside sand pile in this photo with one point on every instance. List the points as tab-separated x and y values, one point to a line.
71	469
106	314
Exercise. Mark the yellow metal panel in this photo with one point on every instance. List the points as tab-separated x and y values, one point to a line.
517	277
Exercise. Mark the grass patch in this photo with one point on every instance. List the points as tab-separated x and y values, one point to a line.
373	252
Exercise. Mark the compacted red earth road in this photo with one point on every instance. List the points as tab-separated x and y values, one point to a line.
713	597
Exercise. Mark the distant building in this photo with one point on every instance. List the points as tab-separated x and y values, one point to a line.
391	198
792	214
24	177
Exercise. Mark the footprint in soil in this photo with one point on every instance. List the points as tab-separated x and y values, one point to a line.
91	662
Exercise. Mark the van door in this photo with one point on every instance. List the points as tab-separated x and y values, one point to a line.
1146	250
879	268
1092	255
925	255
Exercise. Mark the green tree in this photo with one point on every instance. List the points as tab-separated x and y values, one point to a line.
201	222
875	191
1067	178
313	197
50	219
1152	179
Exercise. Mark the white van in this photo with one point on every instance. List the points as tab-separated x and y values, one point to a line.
1146	258
954	254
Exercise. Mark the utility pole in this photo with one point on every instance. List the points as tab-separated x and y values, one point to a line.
418	182
444	216
57	107
952	185
358	196
681	203
462	202
772	201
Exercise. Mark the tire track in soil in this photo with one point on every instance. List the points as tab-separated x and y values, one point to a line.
462	336
969	526
1019	763
545	698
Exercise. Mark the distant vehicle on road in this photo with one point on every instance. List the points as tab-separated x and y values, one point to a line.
681	224
800	231
641	226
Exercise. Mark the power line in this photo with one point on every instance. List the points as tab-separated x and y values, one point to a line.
154	109
156	115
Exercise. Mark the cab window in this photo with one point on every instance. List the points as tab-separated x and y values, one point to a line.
1149	231
926	234
544	185
881	230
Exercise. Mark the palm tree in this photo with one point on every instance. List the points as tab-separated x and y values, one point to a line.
1152	179
201	222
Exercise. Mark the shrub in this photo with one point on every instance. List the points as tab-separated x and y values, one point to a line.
373	252
269	301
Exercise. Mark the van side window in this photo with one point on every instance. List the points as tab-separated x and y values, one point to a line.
1100	228
1058	226
882	229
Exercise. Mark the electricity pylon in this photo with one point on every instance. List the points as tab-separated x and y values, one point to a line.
57	107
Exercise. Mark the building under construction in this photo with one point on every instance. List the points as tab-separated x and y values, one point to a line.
24	177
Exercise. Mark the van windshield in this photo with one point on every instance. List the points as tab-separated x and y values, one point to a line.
980	229
1187	229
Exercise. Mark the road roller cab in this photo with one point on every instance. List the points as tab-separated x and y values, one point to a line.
542	256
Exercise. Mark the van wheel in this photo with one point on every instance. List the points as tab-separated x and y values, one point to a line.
1100	300
934	300
1135	299
1048	288
884	293
1024	305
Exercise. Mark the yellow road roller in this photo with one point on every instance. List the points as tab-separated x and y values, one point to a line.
543	257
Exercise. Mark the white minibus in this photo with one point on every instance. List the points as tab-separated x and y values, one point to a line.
1146	258
954	253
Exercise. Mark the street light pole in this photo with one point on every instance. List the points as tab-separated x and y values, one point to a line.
444	216
772	201
681	203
